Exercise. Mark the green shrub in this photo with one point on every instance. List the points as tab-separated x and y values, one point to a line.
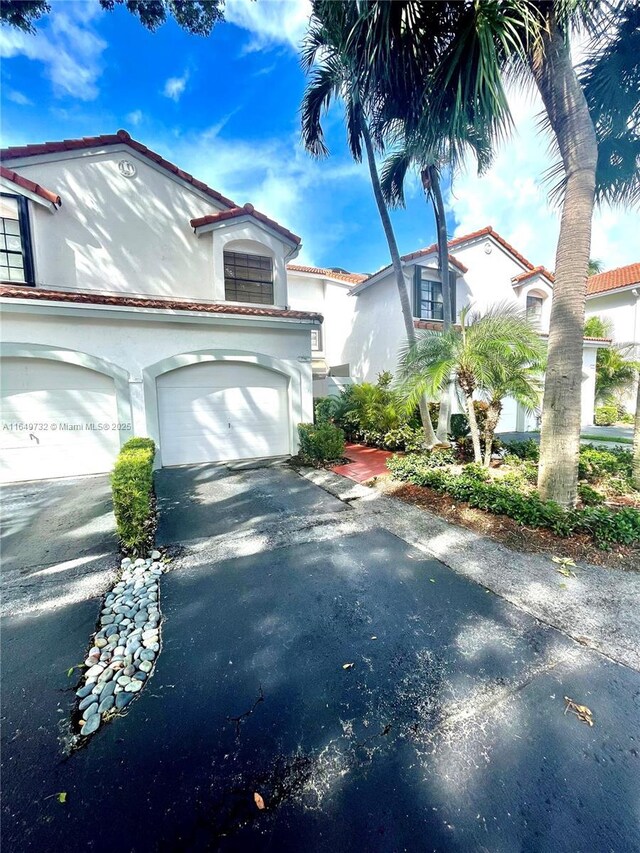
405	437
606	526
589	496
627	418
132	488
475	471
527	449
325	409
596	462
606	415
321	443
459	426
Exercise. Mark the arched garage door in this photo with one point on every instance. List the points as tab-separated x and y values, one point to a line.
217	411
48	410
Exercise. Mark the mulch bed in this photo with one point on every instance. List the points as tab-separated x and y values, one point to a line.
579	547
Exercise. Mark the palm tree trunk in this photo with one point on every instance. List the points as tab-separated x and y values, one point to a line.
493	416
573	128
635	472
431	180
429	434
473	429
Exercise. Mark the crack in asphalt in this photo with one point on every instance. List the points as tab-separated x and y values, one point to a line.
239	720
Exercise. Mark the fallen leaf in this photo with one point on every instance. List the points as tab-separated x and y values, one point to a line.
581	711
562	586
433	580
257	799
62	797
567	573
374	638
70	671
347	666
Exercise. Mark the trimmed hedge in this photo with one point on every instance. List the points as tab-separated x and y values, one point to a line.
606	526
321	443
606	415
132	487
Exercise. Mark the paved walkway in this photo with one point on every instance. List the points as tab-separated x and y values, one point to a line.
365	463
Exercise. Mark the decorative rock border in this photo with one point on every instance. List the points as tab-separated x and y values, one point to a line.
125	647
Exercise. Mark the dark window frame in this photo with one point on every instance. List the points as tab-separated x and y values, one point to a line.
418	298
233	287
25	235
534	315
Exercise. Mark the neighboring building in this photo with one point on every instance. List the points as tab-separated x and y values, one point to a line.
138	300
615	296
484	269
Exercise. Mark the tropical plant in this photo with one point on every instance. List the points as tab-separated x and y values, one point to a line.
469	49
614	373
598	327
635	473
470	356
334	73
595	267
516	376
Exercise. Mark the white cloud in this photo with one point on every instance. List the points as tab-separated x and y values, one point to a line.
513	197
18	98
271	23
278	177
135	117
66	44
175	86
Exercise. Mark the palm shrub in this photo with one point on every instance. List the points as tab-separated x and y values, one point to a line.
472	356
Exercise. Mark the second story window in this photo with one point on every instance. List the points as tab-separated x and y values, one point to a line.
534	309
428	297
316	340
248	278
16	263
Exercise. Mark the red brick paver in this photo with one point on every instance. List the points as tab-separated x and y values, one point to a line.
365	462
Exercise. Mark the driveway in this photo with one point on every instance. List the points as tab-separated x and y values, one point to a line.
374	698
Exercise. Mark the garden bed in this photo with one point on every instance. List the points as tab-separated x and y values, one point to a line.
579	546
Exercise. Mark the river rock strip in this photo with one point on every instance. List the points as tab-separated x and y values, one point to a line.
126	645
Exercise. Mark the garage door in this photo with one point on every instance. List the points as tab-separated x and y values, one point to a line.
47	410
217	411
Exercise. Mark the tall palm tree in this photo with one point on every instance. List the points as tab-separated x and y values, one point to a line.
595	267
334	74
472	356
470	47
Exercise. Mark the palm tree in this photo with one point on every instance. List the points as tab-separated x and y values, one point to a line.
472	356
513	376
595	267
468	48
614	372
334	74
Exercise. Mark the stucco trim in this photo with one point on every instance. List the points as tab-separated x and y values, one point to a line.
119	375
175	362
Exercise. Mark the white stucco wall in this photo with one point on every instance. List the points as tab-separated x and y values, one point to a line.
622	309
133	235
134	342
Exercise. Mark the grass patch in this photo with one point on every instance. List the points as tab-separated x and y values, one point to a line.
133	501
609	438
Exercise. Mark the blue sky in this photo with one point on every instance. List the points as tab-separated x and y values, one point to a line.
226	109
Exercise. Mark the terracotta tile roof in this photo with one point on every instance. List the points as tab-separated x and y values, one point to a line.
26	184
119	138
245	210
12	291
350	277
543	271
613	279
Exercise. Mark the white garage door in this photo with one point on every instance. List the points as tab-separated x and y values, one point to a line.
217	411
47	412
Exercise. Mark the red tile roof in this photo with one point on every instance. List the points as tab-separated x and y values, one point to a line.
543	271
26	184
613	279
119	138
350	277
12	291
245	210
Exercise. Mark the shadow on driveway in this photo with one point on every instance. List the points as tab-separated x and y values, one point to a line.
448	732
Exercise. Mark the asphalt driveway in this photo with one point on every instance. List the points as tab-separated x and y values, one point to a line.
373	697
